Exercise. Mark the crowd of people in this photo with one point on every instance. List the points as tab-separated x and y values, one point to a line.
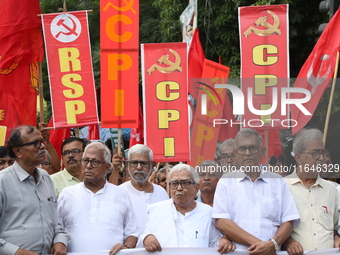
100	201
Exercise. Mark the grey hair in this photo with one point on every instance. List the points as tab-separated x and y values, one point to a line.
140	149
304	136
49	156
227	142
209	163
103	147
162	170
247	132
179	167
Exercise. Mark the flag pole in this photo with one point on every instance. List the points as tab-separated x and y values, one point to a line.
331	97
41	95
119	140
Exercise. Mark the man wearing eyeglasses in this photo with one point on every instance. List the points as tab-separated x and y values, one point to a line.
71	151
253	208
188	223
227	157
28	205
97	214
141	191
315	198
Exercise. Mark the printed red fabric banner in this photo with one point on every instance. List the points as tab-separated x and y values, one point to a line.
210	104
69	62
264	64
166	124
21	49
119	46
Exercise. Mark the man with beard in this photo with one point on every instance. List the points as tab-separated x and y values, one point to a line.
141	191
315	198
28	205
71	151
188	223
209	176
227	157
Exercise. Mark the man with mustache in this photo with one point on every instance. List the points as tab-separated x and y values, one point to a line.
254	208
95	213
141	191
188	223
28	204
209	174
71	151
315	198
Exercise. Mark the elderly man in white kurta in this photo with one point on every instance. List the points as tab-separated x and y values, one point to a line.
97	214
181	221
141	191
255	209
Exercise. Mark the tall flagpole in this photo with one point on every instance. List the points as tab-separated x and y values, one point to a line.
331	97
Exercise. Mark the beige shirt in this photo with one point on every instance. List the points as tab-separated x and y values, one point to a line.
318	209
63	179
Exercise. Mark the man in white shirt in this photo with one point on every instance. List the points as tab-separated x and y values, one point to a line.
255	209
141	191
97	214
315	198
188	223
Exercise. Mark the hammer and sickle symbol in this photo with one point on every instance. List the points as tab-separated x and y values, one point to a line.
8	70
71	31
317	80
2	114
127	7
172	67
263	22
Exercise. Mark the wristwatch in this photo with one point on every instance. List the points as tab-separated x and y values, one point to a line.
276	246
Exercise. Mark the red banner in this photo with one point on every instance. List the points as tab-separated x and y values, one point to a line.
210	103
264	64
69	62
21	49
166	124
119	46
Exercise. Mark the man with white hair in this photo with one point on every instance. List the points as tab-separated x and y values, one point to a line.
253	208
141	191
188	223
97	214
315	198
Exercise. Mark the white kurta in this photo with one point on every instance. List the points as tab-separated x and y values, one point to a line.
172	229
96	221
141	200
258	207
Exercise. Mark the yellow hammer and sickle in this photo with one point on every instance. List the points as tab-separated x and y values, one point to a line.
172	67
263	21
127	7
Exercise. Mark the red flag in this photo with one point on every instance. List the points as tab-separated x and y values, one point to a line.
230	131
317	72
137	134
93	132
57	136
21	46
195	62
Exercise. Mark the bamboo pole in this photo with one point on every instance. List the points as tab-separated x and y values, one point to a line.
41	95
267	148
331	98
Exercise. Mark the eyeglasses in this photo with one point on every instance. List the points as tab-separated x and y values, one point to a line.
252	149
225	157
134	163
184	184
316	153
37	143
93	162
75	152
44	163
